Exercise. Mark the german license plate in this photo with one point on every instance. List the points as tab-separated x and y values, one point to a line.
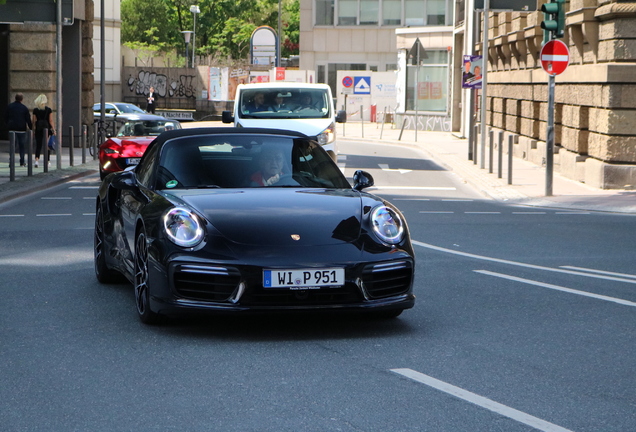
302	279
133	161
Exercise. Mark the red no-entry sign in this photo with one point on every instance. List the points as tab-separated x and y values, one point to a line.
555	57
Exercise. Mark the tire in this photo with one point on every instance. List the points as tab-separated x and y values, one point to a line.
142	290
102	271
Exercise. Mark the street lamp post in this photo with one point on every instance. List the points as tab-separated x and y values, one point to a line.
186	36
195	10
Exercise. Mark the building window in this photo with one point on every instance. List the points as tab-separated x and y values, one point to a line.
324	12
383	12
347	12
369	10
427	86
392	12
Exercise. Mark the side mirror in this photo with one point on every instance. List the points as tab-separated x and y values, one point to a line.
125	180
227	117
362	180
341	116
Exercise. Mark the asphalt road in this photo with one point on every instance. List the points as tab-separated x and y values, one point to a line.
524	321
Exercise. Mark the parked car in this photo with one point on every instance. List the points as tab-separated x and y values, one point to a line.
113	109
202	224
129	144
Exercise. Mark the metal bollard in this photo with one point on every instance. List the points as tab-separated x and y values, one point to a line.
45	150
491	138
510	140
29	148
83	142
71	145
362	119
475	141
11	156
500	153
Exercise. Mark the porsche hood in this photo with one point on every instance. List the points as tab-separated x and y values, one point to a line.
280	216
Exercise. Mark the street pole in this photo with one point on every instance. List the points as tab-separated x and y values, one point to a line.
549	157
194	37
102	75
58	93
484	81
279	35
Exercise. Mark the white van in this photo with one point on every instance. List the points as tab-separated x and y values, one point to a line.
305	108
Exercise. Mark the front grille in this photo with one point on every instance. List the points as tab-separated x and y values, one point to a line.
285	297
387	279
204	282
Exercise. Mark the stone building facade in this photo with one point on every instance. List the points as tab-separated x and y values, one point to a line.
595	98
29	55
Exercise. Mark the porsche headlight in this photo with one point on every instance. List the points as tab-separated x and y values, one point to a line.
387	225
328	135
183	227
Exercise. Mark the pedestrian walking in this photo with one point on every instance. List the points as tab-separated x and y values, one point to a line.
150	108
43	121
18	120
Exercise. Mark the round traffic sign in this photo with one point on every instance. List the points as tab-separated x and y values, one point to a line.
347	81
555	57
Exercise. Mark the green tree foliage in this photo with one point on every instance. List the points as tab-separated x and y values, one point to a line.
223	28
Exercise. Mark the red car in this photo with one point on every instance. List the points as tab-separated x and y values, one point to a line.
128	146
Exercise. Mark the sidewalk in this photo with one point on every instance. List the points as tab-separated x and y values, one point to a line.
527	188
25	183
528	179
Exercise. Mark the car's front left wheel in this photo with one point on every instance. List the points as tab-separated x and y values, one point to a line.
103	273
142	291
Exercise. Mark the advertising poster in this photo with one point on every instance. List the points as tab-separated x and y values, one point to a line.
215	86
471	72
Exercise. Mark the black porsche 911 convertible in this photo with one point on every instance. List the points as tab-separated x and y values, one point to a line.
237	220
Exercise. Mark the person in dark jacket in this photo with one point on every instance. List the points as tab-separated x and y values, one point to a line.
152	104
18	120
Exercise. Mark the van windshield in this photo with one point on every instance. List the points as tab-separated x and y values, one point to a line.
285	103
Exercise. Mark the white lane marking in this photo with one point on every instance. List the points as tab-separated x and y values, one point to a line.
56	198
558	288
15	215
482	212
84	187
440	188
88	214
573	213
437	212
89	198
59	214
528	213
385	167
480	401
599	271
519	264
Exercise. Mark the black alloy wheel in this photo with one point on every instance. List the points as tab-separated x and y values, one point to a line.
103	273
142	291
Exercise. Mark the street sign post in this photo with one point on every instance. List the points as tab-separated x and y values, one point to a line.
555	58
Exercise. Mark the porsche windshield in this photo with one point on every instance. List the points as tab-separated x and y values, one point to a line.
285	103
246	161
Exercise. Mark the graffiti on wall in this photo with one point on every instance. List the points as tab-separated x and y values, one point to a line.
428	123
183	86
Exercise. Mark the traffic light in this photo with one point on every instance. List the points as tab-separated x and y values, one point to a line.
553	19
